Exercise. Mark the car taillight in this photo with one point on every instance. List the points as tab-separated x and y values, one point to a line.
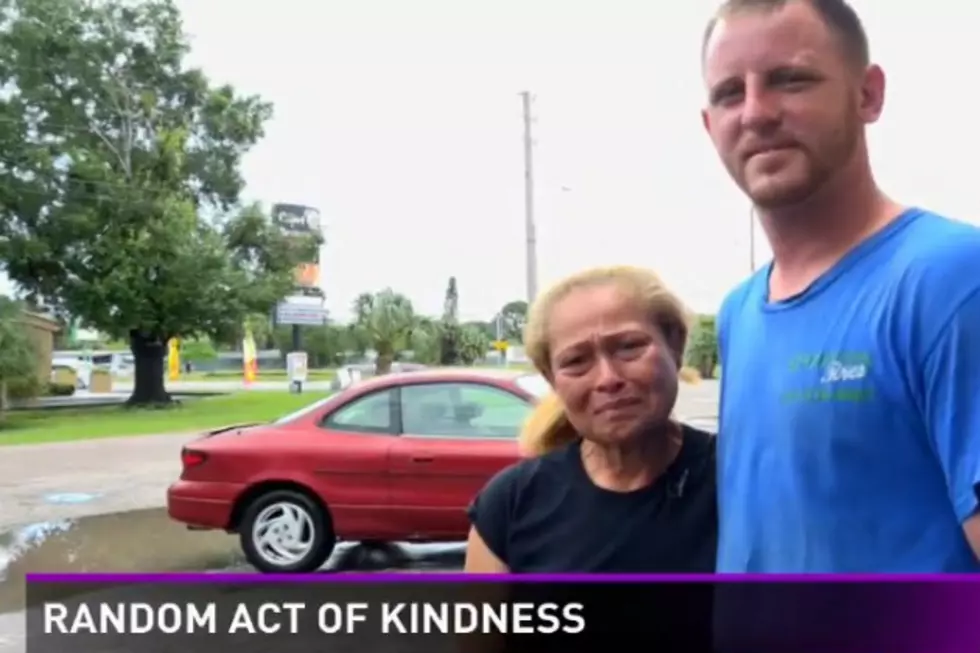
190	458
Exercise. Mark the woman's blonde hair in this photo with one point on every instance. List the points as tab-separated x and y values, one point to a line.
548	427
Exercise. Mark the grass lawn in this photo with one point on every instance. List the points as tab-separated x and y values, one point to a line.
67	424
269	375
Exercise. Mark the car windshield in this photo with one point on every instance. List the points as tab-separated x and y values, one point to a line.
316	405
536	384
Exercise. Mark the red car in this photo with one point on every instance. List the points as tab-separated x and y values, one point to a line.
394	458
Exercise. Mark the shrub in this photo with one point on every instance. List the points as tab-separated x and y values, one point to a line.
27	387
61	389
702	347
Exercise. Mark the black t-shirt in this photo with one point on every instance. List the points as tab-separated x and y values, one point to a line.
545	515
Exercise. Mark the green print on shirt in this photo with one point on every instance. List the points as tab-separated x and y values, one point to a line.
842	377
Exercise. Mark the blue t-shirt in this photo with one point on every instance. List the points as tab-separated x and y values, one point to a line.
850	414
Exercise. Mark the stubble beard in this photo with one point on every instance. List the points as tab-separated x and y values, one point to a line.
820	167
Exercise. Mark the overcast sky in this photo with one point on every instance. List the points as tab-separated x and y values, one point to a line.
401	122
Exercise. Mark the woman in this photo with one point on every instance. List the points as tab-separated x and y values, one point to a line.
612	484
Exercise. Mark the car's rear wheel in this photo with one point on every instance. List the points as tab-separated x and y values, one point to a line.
286	532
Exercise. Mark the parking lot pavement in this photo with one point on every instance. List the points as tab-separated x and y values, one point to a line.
61	480
12	633
698	404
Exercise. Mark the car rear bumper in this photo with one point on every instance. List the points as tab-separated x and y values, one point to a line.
202	504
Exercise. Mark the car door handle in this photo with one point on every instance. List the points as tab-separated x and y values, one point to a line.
422	459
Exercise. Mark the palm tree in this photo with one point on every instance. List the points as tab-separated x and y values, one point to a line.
17	351
386	319
425	342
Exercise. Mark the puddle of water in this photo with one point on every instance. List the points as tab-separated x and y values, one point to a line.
17	543
138	540
70	497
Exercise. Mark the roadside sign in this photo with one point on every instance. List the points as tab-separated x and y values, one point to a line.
296	366
300	312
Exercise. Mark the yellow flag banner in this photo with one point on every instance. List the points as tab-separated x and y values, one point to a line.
249	357
173	358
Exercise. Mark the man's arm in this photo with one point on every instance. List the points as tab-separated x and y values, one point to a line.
972	528
951	398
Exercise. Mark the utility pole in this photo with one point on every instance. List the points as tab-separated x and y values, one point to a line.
531	252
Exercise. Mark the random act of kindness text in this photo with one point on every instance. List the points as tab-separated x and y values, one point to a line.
293	617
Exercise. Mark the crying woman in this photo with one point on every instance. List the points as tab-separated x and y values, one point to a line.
612	483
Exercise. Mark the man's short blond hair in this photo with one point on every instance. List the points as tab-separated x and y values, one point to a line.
837	15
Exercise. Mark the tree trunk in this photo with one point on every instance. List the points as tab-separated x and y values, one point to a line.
148	386
3	401
706	367
382	364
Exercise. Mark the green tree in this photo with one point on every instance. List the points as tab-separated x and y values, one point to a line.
702	346
196	350
473	345
513	318
488	329
259	325
426	341
387	320
359	339
450	332
17	352
325	346
121	170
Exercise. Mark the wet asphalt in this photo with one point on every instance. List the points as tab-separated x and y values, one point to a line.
146	540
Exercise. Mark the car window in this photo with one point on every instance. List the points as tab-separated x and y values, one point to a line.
303	412
463	410
368	414
536	384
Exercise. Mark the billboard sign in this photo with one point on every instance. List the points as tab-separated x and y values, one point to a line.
301	311
299	220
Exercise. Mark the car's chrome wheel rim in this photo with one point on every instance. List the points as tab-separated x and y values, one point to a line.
283	533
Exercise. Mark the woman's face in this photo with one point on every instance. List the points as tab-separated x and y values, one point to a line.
611	367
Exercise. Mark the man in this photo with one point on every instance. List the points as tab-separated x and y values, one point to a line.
850	407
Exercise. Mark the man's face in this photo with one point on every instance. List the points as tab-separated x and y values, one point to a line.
786	107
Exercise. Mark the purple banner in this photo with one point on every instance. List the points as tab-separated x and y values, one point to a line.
725	614
834	616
